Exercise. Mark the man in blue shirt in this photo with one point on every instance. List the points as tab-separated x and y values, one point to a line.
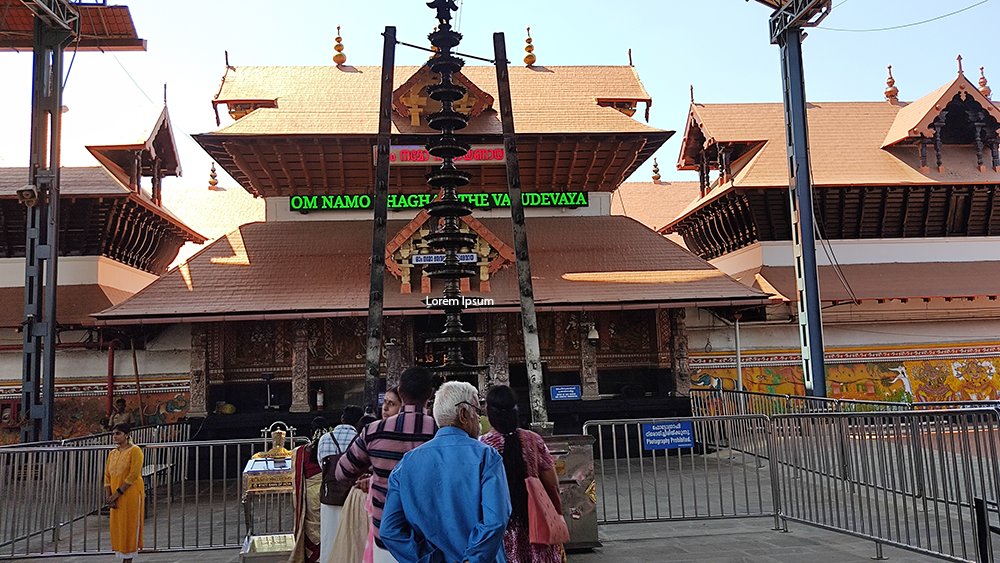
448	499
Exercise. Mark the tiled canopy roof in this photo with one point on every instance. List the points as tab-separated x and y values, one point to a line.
74	303
330	100
304	269
885	281
653	204
94	182
850	144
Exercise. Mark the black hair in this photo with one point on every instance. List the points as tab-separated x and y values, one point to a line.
365	421
352	414
415	386
124	428
319	423
501	410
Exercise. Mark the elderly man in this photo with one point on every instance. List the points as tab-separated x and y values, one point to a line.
448	499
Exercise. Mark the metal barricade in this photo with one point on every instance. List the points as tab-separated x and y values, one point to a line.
907	479
662	469
52	498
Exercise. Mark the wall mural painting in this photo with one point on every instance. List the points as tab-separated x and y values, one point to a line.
917	380
80	416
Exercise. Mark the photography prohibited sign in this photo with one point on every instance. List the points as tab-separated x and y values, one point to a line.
668	435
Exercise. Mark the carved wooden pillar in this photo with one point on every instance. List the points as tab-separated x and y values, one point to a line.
300	368
938	126
979	125
588	359
394	346
679	348
198	402
496	353
922	145
995	153
664	342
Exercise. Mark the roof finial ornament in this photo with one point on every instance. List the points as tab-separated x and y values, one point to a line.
213	180
959	59
339	58
983	88
530	58
691	87
656	172
891	92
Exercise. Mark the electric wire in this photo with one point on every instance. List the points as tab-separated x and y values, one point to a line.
832	257
905	25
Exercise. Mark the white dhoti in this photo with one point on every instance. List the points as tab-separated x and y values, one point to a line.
329	520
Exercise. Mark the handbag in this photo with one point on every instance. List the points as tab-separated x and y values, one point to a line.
545	525
333	492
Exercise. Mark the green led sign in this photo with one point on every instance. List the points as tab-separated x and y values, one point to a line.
419	201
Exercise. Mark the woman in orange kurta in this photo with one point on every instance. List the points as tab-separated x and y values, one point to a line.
125	494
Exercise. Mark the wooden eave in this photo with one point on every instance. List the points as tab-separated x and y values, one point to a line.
915	120
102	28
271	166
160	144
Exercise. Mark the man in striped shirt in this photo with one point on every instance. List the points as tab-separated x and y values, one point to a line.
380	446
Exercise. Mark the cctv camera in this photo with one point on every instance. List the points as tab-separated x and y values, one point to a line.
28	195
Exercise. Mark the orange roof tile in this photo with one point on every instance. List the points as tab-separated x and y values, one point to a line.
75	303
654	204
330	100
885	281
320	268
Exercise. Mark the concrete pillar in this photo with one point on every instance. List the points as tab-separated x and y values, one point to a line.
300	368
681	363
588	359
496	353
198	401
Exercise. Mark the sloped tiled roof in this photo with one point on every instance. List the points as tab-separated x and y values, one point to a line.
96	182
886	280
320	268
915	118
75	303
654	204
330	100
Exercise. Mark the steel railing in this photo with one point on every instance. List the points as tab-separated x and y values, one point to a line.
662	469
723	402
150	434
52	497
907	479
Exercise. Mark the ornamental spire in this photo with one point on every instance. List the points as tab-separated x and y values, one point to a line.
530	58
339	58
891	92
656	172
983	88
959	59
213	180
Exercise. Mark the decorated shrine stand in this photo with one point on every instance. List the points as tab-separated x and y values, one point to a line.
268	473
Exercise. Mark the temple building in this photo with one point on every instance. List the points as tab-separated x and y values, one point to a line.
277	310
116	237
908	220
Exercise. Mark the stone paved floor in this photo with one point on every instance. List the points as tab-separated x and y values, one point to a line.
716	541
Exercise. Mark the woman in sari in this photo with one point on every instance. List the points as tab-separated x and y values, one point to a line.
124	493
307	476
524	455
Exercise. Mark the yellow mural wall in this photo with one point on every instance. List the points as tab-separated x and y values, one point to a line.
916	380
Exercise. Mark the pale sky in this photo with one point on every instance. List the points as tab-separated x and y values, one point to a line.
719	46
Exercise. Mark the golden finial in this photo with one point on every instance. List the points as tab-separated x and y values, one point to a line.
983	88
530	58
891	92
656	172
213	179
959	59
339	57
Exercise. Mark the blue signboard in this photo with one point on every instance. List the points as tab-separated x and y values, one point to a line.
668	435
565	392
